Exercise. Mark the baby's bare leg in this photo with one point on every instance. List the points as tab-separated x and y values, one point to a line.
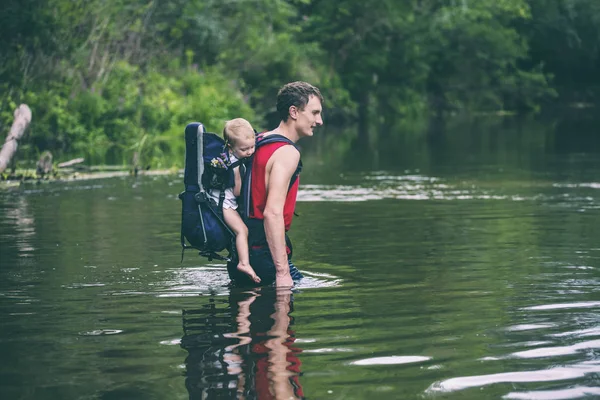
235	223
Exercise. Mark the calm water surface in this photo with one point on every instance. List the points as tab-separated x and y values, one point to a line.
465	265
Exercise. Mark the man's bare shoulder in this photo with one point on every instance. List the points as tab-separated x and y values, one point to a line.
287	154
286	158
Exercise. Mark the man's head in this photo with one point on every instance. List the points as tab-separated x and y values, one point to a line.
301	103
239	136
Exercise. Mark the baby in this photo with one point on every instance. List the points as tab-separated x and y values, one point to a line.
239	140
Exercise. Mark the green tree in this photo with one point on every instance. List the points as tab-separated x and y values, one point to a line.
564	35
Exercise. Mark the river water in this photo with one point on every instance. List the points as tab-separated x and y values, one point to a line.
461	264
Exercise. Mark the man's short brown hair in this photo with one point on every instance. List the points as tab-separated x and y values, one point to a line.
295	94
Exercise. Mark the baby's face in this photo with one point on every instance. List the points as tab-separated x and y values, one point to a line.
243	147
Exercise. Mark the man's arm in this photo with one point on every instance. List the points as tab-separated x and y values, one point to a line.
279	378
284	163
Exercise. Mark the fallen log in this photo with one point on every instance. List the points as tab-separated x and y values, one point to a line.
18	128
71	162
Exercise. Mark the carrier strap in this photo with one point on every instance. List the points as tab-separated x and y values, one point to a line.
201	196
221	201
237	163
280	138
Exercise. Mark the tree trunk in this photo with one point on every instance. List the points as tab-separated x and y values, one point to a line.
22	120
363	117
44	165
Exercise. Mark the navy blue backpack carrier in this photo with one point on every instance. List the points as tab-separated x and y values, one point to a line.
207	168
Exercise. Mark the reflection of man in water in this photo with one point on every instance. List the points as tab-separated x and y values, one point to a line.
244	351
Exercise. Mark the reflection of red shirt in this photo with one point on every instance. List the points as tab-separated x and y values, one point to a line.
263	383
259	191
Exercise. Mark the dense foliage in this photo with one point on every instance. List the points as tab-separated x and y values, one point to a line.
107	78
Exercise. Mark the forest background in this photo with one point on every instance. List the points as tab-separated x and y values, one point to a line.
109	78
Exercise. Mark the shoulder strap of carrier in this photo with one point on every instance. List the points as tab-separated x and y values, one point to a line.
237	163
263	140
274	138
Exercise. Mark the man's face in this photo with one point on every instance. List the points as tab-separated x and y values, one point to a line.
309	117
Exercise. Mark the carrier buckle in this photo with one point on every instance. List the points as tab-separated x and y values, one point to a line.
201	197
214	256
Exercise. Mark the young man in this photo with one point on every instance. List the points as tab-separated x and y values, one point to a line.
273	199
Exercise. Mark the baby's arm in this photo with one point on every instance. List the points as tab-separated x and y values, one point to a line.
237	187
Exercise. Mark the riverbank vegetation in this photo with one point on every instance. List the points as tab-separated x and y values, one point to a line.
110	79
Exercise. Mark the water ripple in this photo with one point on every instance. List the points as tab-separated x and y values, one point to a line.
591	185
101	332
416	187
528	327
557	351
571	393
392	360
583	304
214	279
580	333
544	375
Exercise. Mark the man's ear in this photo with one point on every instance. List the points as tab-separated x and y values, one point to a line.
293	112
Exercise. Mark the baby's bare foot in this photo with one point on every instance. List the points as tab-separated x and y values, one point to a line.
247	269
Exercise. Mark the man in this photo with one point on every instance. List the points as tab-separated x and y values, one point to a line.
275	185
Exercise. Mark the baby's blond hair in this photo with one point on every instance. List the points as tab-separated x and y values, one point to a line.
237	128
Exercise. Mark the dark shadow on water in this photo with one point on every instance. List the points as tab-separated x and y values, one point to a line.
242	347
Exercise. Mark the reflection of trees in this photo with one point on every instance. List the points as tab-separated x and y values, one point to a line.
244	349
460	142
24	224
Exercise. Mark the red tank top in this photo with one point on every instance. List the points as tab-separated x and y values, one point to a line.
259	191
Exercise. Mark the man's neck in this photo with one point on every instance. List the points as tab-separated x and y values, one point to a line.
285	129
